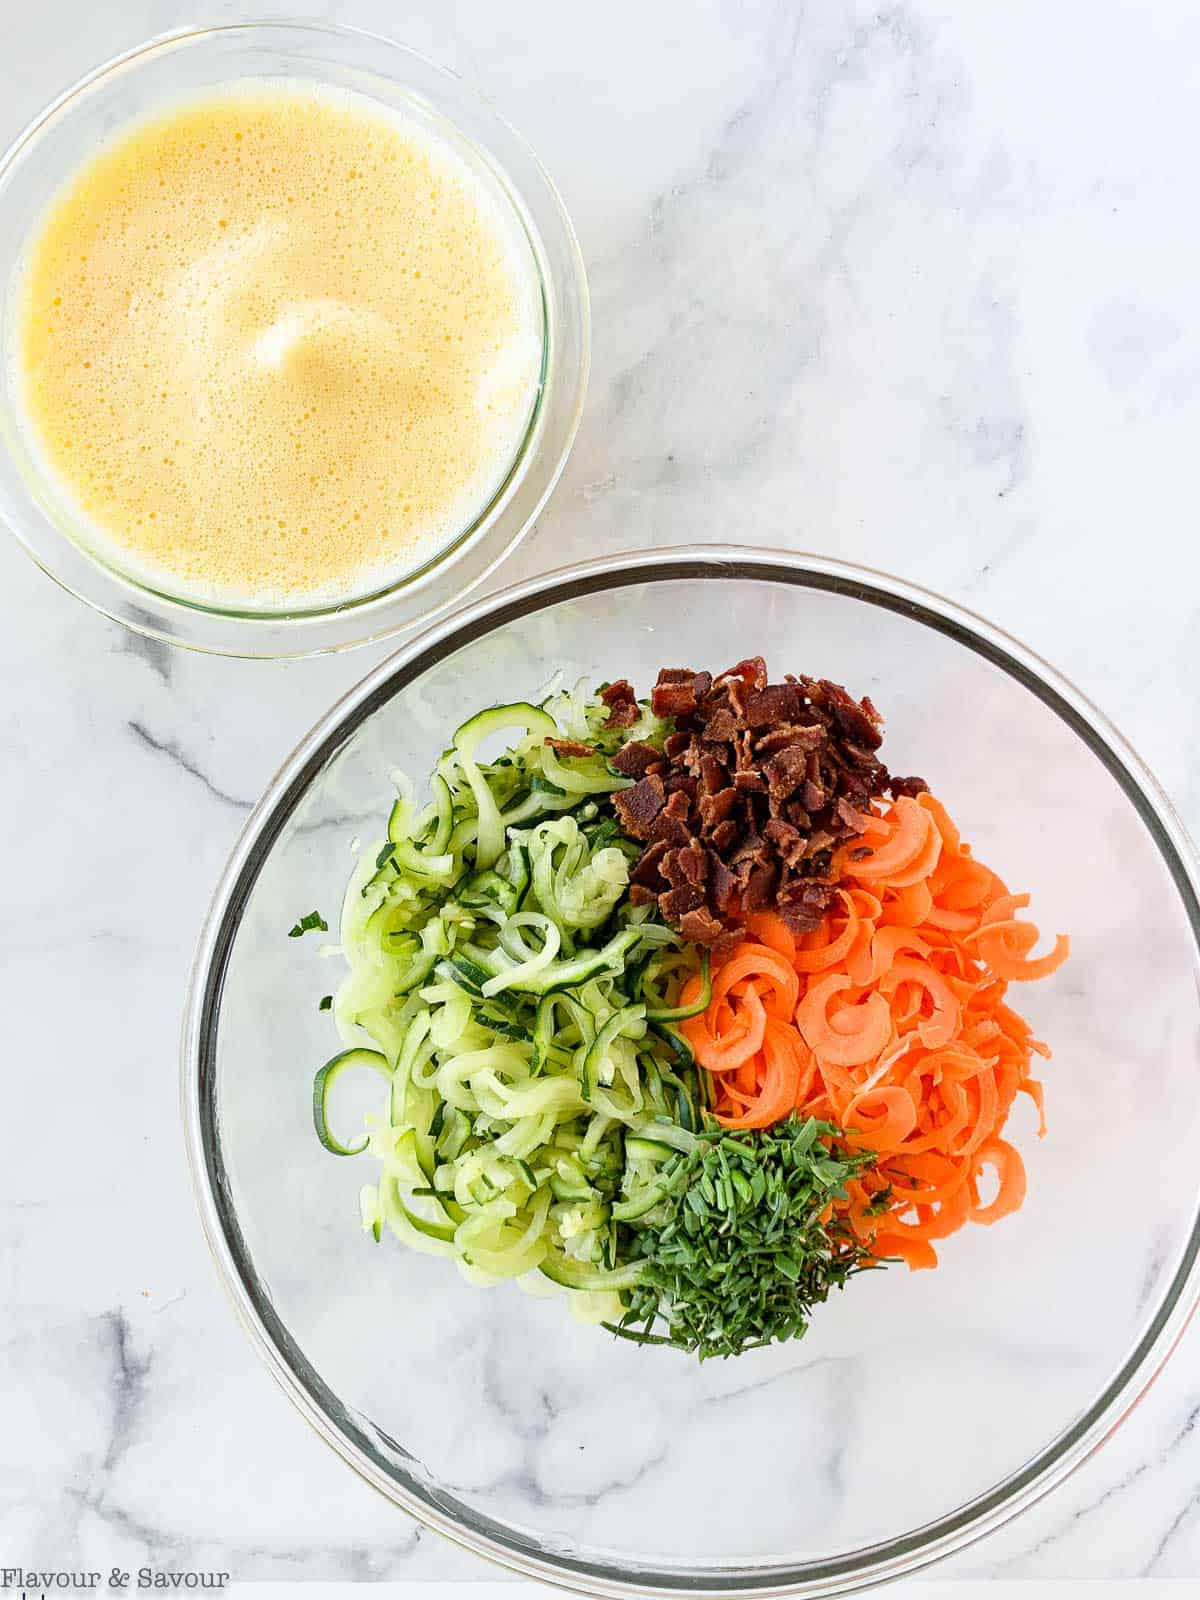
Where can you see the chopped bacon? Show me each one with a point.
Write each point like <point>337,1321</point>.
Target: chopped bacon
<point>635,759</point>
<point>637,807</point>
<point>759,791</point>
<point>571,747</point>
<point>623,709</point>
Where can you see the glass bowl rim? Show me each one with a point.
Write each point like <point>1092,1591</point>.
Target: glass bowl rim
<point>887,1559</point>
<point>498,528</point>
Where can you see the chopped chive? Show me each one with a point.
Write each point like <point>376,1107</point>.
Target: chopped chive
<point>740,1248</point>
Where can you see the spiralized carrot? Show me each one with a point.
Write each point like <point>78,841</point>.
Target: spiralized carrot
<point>890,1020</point>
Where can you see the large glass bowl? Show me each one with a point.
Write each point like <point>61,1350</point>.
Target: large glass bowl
<point>923,1409</point>
<point>195,62</point>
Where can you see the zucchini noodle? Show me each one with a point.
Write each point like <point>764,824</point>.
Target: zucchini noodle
<point>519,1008</point>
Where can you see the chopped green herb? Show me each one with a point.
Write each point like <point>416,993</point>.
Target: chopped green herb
<point>314,920</point>
<point>741,1249</point>
<point>326,1003</point>
<point>385,855</point>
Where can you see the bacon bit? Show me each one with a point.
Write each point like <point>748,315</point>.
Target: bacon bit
<point>717,807</point>
<point>766,708</point>
<point>623,709</point>
<point>759,795</point>
<point>669,828</point>
<point>786,771</point>
<point>691,864</point>
<point>571,747</point>
<point>724,834</point>
<point>679,691</point>
<point>752,672</point>
<point>856,821</point>
<point>750,783</point>
<point>636,759</point>
<point>722,882</point>
<point>638,807</point>
<point>787,839</point>
<point>647,871</point>
<point>703,928</point>
<point>676,903</point>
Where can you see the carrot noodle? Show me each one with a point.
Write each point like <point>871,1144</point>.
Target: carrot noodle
<point>904,833</point>
<point>769,928</point>
<point>890,1020</point>
<point>775,980</point>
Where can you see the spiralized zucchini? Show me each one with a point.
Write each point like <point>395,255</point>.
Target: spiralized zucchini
<point>519,1008</point>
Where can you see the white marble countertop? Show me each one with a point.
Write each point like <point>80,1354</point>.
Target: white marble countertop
<point>912,285</point>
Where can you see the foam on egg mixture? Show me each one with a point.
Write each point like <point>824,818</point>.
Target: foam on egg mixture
<point>277,346</point>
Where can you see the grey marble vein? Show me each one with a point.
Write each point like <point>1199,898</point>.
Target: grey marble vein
<point>172,750</point>
<point>129,1382</point>
<point>1026,1561</point>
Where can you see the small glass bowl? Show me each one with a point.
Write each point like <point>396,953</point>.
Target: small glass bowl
<point>922,1409</point>
<point>189,63</point>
